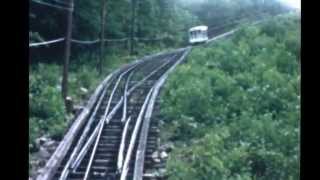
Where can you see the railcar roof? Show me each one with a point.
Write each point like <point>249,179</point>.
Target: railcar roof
<point>197,28</point>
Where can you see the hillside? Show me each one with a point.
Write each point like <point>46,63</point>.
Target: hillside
<point>233,110</point>
<point>75,45</point>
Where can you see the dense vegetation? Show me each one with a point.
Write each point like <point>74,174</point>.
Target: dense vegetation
<point>154,18</point>
<point>233,110</point>
<point>46,108</point>
<point>163,19</point>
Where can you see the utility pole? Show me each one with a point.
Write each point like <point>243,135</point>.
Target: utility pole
<point>67,55</point>
<point>103,15</point>
<point>133,9</point>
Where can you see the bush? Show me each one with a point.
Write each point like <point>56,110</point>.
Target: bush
<point>235,106</point>
<point>47,115</point>
<point>46,108</point>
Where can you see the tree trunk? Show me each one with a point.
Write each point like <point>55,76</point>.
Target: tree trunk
<point>103,16</point>
<point>67,55</point>
<point>133,9</point>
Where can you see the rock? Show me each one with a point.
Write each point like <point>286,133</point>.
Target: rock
<point>155,157</point>
<point>69,104</point>
<point>40,141</point>
<point>157,160</point>
<point>76,109</point>
<point>163,155</point>
<point>154,154</point>
<point>42,163</point>
<point>40,171</point>
<point>51,146</point>
<point>155,174</point>
<point>167,147</point>
<point>162,172</point>
<point>84,90</point>
<point>43,153</point>
<point>49,143</point>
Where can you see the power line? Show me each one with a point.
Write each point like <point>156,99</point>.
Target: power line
<point>150,39</point>
<point>85,42</point>
<point>53,5</point>
<point>46,42</point>
<point>92,41</point>
<point>98,40</point>
<point>61,2</point>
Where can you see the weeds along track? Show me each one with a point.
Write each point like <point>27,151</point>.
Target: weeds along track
<point>119,134</point>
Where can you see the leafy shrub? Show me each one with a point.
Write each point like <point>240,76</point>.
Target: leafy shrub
<point>46,108</point>
<point>234,107</point>
<point>47,115</point>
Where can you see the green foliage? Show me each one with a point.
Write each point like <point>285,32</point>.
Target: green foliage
<point>234,107</point>
<point>154,18</point>
<point>46,110</point>
<point>220,12</point>
<point>47,115</point>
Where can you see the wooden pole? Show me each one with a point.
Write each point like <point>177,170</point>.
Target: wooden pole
<point>67,55</point>
<point>103,15</point>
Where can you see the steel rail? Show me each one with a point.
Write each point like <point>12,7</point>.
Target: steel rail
<point>65,171</point>
<point>65,144</point>
<point>152,73</point>
<point>103,122</point>
<point>140,155</point>
<point>74,165</point>
<point>115,88</point>
<point>125,167</point>
<point>85,149</point>
<point>103,119</point>
<point>122,145</point>
<point>124,111</point>
<point>89,142</point>
<point>93,135</point>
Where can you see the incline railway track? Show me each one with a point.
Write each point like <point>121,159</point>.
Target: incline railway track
<point>115,135</point>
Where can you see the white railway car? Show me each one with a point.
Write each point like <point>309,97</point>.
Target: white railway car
<point>198,34</point>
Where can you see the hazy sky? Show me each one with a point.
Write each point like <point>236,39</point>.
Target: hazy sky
<point>293,3</point>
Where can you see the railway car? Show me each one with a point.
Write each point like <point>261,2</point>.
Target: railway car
<point>198,34</point>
